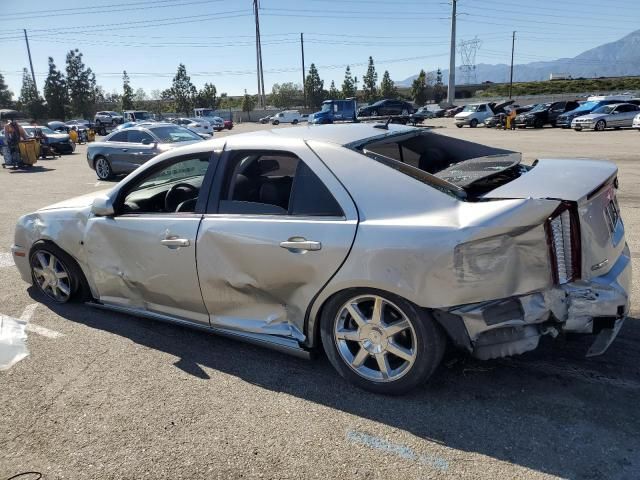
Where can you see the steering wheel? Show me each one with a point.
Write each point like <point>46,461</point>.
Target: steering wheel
<point>171,201</point>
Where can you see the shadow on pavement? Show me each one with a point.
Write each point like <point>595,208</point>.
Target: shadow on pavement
<point>551,410</point>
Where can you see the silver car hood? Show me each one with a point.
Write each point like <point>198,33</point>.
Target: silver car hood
<point>567,179</point>
<point>80,202</point>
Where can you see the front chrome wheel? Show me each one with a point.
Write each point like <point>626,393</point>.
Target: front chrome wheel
<point>51,276</point>
<point>375,338</point>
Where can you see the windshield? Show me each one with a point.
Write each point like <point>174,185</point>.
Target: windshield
<point>605,109</point>
<point>540,107</point>
<point>142,115</point>
<point>171,134</point>
<point>587,106</point>
<point>326,107</point>
<point>114,113</point>
<point>46,130</point>
<point>471,108</point>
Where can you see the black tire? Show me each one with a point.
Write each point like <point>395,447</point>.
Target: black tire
<point>600,126</point>
<point>295,121</point>
<point>474,123</point>
<point>430,343</point>
<point>538,124</point>
<point>459,125</point>
<point>77,283</point>
<point>374,113</point>
<point>578,129</point>
<point>98,123</point>
<point>554,125</point>
<point>103,168</point>
<point>276,122</point>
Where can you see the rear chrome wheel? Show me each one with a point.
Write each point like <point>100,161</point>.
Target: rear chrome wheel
<point>52,276</point>
<point>103,168</point>
<point>375,338</point>
<point>379,341</point>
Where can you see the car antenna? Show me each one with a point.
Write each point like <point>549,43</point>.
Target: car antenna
<point>384,126</point>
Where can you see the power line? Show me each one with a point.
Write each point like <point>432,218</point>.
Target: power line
<point>109,9</point>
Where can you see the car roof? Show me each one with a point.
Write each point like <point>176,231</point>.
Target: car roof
<point>341,134</point>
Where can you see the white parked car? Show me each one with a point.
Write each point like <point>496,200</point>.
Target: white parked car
<point>197,125</point>
<point>474,114</point>
<point>636,122</point>
<point>287,116</point>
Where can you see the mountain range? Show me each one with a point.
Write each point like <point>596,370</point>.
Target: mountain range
<point>615,59</point>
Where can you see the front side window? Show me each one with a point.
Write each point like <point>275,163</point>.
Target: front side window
<point>274,183</point>
<point>138,136</point>
<point>175,188</point>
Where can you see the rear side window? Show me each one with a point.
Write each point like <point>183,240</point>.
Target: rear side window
<point>119,137</point>
<point>137,136</point>
<point>277,183</point>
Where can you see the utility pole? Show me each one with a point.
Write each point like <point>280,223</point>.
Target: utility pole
<point>261,95</point>
<point>33,75</point>
<point>255,16</point>
<point>304,90</point>
<point>513,48</point>
<point>451,95</point>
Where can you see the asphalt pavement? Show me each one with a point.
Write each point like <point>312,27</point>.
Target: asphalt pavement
<point>106,395</point>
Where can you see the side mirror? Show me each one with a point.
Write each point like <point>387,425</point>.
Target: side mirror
<point>146,141</point>
<point>102,207</point>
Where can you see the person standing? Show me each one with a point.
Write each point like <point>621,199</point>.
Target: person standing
<point>511,119</point>
<point>13,133</point>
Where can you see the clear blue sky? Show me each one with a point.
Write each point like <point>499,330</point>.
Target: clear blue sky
<point>215,38</point>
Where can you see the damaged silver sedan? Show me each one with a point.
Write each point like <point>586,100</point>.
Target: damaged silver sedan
<point>381,244</point>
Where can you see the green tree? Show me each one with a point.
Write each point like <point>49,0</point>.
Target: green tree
<point>348,84</point>
<point>419,88</point>
<point>127,92</point>
<point>248,102</point>
<point>184,92</point>
<point>208,96</point>
<point>81,84</point>
<point>439,92</point>
<point>369,82</point>
<point>286,95</point>
<point>55,92</point>
<point>314,87</point>
<point>6,95</point>
<point>387,87</point>
<point>29,100</point>
<point>140,96</point>
<point>333,91</point>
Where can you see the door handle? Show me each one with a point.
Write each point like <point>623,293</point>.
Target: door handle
<point>299,244</point>
<point>125,149</point>
<point>175,242</point>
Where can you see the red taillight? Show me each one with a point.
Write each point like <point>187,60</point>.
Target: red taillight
<point>563,238</point>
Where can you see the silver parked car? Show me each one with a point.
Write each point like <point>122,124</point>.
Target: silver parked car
<point>108,118</point>
<point>617,115</point>
<point>379,243</point>
<point>125,150</point>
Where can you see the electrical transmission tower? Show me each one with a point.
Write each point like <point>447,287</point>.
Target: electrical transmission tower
<point>468,50</point>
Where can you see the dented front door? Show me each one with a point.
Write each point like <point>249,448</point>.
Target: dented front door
<point>147,262</point>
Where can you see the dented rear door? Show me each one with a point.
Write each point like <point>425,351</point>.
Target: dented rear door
<point>260,272</point>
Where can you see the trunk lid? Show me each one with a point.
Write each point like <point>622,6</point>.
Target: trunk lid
<point>591,186</point>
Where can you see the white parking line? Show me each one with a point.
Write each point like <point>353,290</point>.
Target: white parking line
<point>6,260</point>
<point>27,315</point>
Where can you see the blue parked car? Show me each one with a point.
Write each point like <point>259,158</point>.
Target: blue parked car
<point>335,110</point>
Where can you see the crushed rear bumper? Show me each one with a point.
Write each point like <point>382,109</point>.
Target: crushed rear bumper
<point>515,325</point>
